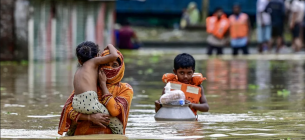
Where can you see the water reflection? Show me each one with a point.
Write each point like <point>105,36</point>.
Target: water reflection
<point>251,98</point>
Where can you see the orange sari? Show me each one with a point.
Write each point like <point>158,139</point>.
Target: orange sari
<point>118,104</point>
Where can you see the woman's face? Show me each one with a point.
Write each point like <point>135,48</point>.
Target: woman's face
<point>113,64</point>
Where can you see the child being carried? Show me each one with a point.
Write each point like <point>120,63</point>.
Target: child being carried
<point>85,98</point>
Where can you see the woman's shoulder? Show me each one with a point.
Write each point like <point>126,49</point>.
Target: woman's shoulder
<point>126,85</point>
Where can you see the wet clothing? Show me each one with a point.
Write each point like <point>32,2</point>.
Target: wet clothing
<point>117,103</point>
<point>192,91</point>
<point>87,103</point>
<point>244,49</point>
<point>216,44</point>
<point>219,50</point>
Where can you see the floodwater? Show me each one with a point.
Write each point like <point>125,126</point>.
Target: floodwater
<point>254,97</point>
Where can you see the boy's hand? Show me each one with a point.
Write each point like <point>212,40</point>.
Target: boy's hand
<point>157,105</point>
<point>187,102</point>
<point>102,76</point>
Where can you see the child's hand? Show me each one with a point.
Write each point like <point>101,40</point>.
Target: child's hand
<point>102,76</point>
<point>109,45</point>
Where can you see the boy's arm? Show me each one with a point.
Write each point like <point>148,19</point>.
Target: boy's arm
<point>158,105</point>
<point>203,106</point>
<point>108,58</point>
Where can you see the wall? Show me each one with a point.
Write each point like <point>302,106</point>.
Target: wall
<point>7,33</point>
<point>57,27</point>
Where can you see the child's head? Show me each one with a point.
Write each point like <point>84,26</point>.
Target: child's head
<point>184,67</point>
<point>86,51</point>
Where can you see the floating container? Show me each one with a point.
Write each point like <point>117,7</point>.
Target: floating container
<point>175,113</point>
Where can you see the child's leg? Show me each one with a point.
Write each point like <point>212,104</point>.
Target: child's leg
<point>115,124</point>
<point>88,103</point>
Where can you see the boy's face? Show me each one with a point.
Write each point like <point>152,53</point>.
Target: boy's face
<point>184,75</point>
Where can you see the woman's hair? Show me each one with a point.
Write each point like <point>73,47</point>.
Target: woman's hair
<point>184,61</point>
<point>86,50</point>
<point>119,61</point>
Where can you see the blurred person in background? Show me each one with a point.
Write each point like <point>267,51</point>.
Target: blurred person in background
<point>190,15</point>
<point>239,31</point>
<point>117,28</point>
<point>217,27</point>
<point>276,9</point>
<point>127,38</point>
<point>263,21</point>
<point>296,16</point>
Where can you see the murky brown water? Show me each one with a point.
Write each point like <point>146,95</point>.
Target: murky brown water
<point>253,97</point>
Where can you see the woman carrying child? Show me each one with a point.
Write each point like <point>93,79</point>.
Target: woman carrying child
<point>112,96</point>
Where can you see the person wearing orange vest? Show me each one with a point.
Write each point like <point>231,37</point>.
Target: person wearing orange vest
<point>217,26</point>
<point>239,31</point>
<point>186,80</point>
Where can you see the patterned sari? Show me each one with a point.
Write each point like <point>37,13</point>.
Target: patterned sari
<point>117,102</point>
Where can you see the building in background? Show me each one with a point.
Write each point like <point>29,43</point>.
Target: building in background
<point>56,27</point>
<point>51,29</point>
<point>7,32</point>
<point>167,13</point>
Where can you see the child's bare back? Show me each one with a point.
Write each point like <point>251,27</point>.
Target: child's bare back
<point>85,78</point>
<point>85,98</point>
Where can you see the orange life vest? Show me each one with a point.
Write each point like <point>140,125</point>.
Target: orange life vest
<point>217,27</point>
<point>192,91</point>
<point>239,27</point>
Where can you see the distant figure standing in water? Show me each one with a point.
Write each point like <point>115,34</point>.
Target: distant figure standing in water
<point>239,31</point>
<point>276,9</point>
<point>297,9</point>
<point>263,21</point>
<point>127,36</point>
<point>217,27</point>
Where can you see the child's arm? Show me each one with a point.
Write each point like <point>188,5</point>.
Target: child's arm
<point>203,106</point>
<point>108,58</point>
<point>158,104</point>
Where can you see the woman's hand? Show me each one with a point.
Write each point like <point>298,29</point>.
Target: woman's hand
<point>102,76</point>
<point>100,119</point>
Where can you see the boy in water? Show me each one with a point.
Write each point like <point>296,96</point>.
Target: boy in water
<point>184,68</point>
<point>85,98</point>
